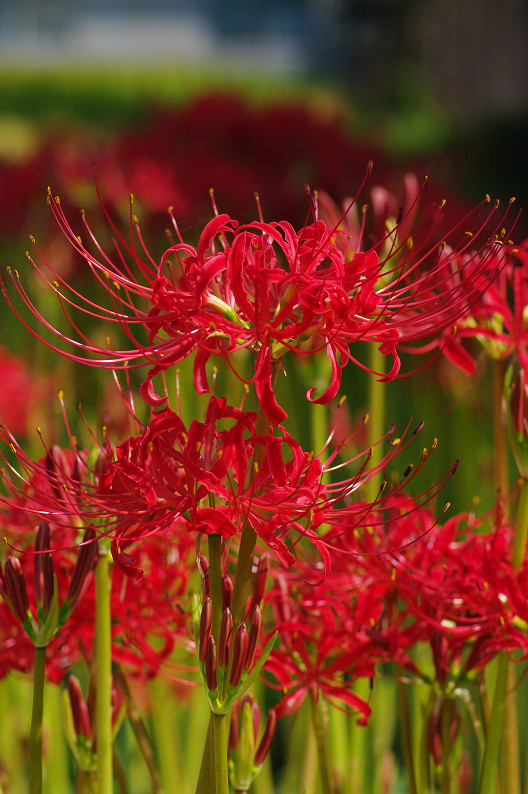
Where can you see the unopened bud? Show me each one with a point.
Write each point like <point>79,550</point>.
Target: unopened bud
<point>43,569</point>
<point>210,664</point>
<point>227,592</point>
<point>15,586</point>
<point>240,648</point>
<point>226,630</point>
<point>81,717</point>
<point>203,566</point>
<point>206,620</point>
<point>84,566</point>
<point>259,587</point>
<point>267,736</point>
<point>233,727</point>
<point>254,634</point>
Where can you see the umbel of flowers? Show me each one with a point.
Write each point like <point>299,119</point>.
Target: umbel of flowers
<point>309,568</point>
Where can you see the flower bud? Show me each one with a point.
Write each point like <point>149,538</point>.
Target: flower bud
<point>206,619</point>
<point>210,664</point>
<point>15,586</point>
<point>84,566</point>
<point>81,717</point>
<point>267,736</point>
<point>226,630</point>
<point>233,727</point>
<point>240,648</point>
<point>227,592</point>
<point>254,634</point>
<point>43,569</point>
<point>259,587</point>
<point>244,759</point>
<point>203,567</point>
<point>77,726</point>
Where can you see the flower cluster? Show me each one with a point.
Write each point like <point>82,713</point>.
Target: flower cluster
<point>357,579</point>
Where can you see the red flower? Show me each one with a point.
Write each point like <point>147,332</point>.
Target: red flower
<point>322,649</point>
<point>267,288</point>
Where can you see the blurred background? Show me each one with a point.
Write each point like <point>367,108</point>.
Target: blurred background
<point>422,78</point>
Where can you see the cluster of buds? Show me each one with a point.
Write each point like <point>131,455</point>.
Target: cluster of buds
<point>228,663</point>
<point>246,753</point>
<point>228,668</point>
<point>50,616</point>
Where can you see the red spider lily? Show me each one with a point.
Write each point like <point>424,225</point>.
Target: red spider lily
<point>321,649</point>
<point>498,319</point>
<point>150,617</point>
<point>206,475</point>
<point>451,586</point>
<point>266,288</point>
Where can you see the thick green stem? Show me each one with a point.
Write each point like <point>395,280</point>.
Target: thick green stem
<point>510,737</point>
<point>488,780</point>
<point>521,529</point>
<point>499,432</point>
<point>445,783</point>
<point>203,785</point>
<point>215,581</point>
<point>320,738</point>
<point>507,680</point>
<point>35,737</point>
<point>220,753</point>
<point>141,734</point>
<point>248,540</point>
<point>103,671</point>
<point>511,758</point>
<point>406,732</point>
<point>376,410</point>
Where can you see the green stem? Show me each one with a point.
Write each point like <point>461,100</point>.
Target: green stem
<point>488,780</point>
<point>511,759</point>
<point>320,738</point>
<point>220,753</point>
<point>214,543</point>
<point>103,667</point>
<point>168,751</point>
<point>424,755</point>
<point>406,731</point>
<point>507,680</point>
<point>376,410</point>
<point>35,737</point>
<point>141,734</point>
<point>445,783</point>
<point>510,736</point>
<point>499,432</point>
<point>248,540</point>
<point>521,529</point>
<point>203,785</point>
